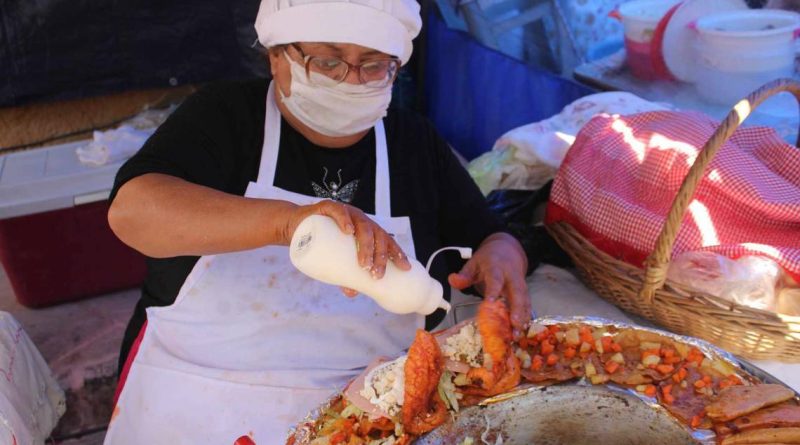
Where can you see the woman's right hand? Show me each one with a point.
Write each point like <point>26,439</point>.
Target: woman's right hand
<point>375,246</point>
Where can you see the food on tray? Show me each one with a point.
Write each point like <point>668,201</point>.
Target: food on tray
<point>733,402</point>
<point>773,436</point>
<point>500,371</point>
<point>423,408</point>
<point>393,402</point>
<point>783,415</point>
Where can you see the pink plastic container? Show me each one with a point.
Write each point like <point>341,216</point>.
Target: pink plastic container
<point>640,19</point>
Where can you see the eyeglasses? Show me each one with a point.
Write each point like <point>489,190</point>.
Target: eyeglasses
<point>376,73</point>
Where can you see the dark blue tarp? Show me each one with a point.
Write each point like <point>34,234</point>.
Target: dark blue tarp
<point>475,94</point>
<point>61,49</point>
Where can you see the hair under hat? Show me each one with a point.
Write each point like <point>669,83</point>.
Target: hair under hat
<point>388,26</point>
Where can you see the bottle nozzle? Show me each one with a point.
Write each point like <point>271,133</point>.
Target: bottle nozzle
<point>444,305</point>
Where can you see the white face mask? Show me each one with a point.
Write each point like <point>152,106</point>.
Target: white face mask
<point>331,108</point>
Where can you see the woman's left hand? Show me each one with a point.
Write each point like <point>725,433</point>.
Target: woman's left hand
<point>497,269</point>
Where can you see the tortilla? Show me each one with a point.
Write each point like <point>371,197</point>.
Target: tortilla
<point>736,401</point>
<point>784,415</point>
<point>765,436</point>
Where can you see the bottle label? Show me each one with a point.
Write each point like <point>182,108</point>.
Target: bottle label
<point>305,241</point>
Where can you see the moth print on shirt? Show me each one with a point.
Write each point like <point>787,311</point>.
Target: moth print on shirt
<point>334,190</point>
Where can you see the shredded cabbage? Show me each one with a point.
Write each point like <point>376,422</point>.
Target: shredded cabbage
<point>351,410</point>
<point>447,391</point>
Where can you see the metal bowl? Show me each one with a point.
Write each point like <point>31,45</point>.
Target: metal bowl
<point>564,414</point>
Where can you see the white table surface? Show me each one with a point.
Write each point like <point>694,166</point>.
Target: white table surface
<point>557,292</point>
<point>612,74</point>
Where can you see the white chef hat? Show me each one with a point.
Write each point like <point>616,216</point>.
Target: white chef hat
<point>385,25</point>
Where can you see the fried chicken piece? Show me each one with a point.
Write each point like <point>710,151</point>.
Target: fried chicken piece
<point>423,409</point>
<point>502,373</point>
<point>494,325</point>
<point>736,401</point>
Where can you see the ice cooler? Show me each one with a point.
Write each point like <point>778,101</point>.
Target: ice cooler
<point>55,242</point>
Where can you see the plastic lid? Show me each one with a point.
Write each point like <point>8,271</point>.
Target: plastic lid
<point>677,49</point>
<point>44,179</point>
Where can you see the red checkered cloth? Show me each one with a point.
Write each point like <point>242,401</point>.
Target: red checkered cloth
<point>619,179</point>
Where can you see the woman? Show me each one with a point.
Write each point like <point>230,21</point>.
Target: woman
<point>237,341</point>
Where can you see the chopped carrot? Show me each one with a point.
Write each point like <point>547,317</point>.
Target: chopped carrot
<point>547,348</point>
<point>553,328</point>
<point>707,379</point>
<point>680,375</point>
<point>570,352</point>
<point>725,383</point>
<point>338,438</point>
<point>616,347</point>
<point>586,337</point>
<point>606,342</point>
<point>699,384</point>
<point>695,356</point>
<point>650,391</point>
<point>670,358</point>
<point>542,336</point>
<point>666,391</point>
<point>665,369</point>
<point>696,421</point>
<point>523,342</point>
<point>552,359</point>
<point>611,367</point>
<point>537,362</point>
<point>735,379</point>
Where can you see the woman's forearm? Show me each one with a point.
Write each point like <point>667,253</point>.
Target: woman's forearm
<point>164,216</point>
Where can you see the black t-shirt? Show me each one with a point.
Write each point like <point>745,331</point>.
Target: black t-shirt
<point>215,139</point>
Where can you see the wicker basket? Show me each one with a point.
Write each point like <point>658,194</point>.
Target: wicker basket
<point>749,332</point>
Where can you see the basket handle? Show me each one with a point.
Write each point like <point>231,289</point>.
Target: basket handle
<point>657,263</point>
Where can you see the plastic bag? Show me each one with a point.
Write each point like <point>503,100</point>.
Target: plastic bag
<point>529,156</point>
<point>750,280</point>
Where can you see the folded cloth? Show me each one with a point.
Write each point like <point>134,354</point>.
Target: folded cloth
<point>113,145</point>
<point>619,179</point>
<point>31,402</point>
<point>527,157</point>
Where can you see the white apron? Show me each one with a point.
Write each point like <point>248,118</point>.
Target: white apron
<point>251,345</point>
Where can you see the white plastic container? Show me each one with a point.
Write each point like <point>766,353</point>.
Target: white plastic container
<point>322,251</point>
<point>739,51</point>
<point>640,19</point>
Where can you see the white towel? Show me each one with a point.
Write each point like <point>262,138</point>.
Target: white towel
<point>114,145</point>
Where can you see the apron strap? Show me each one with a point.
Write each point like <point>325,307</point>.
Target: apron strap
<point>269,156</point>
<point>383,195</point>
<point>272,140</point>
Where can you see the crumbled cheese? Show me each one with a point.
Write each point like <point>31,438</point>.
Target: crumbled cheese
<point>384,385</point>
<point>465,346</point>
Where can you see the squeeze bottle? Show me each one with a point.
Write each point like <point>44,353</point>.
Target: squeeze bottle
<point>322,251</point>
